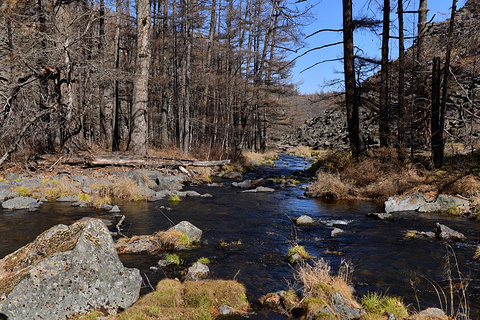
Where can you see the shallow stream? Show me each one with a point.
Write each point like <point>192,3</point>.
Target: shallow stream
<point>248,235</point>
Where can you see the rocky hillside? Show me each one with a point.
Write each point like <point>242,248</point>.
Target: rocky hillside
<point>328,129</point>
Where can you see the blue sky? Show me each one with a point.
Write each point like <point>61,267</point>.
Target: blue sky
<point>328,14</point>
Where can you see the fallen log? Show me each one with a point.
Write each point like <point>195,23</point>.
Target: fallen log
<point>135,161</point>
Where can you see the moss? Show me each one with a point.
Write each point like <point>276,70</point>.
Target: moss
<point>290,299</point>
<point>300,250</point>
<point>203,260</point>
<point>174,198</point>
<point>410,234</point>
<point>454,210</point>
<point>84,197</point>
<point>313,306</point>
<point>173,258</point>
<point>2,179</point>
<point>23,192</point>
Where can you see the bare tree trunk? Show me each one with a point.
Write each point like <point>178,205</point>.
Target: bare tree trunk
<point>436,138</point>
<point>420,114</point>
<point>116,119</point>
<point>139,141</point>
<point>401,85</point>
<point>349,74</point>
<point>446,74</point>
<point>384,128</point>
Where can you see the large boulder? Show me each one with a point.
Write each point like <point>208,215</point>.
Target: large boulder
<point>20,203</point>
<point>410,202</point>
<point>445,203</point>
<point>64,272</point>
<point>193,233</point>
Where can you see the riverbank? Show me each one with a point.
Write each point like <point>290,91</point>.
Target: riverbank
<point>383,175</point>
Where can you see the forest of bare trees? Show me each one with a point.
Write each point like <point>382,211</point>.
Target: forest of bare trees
<point>427,95</point>
<point>200,76</point>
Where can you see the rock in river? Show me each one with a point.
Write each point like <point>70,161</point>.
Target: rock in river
<point>20,203</point>
<point>304,220</point>
<point>64,272</point>
<point>410,202</point>
<point>198,271</point>
<point>445,233</point>
<point>194,234</point>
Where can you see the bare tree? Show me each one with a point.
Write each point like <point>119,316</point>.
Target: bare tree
<point>139,135</point>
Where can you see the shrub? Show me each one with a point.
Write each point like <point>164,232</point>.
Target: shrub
<point>330,186</point>
<point>319,283</point>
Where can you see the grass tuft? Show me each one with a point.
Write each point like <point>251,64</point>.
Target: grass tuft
<point>300,250</point>
<point>376,305</point>
<point>173,258</point>
<point>204,260</point>
<point>23,192</point>
<point>174,198</point>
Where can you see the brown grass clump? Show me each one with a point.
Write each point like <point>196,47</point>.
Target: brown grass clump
<point>199,300</point>
<point>379,177</point>
<point>250,157</point>
<point>319,283</point>
<point>171,238</point>
<point>301,151</point>
<point>329,185</point>
<point>124,189</point>
<point>56,189</point>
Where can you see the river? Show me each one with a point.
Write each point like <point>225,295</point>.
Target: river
<point>247,235</point>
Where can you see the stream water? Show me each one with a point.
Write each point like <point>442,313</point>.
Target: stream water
<point>248,234</point>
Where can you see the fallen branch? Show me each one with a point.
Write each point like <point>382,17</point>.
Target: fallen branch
<point>135,161</point>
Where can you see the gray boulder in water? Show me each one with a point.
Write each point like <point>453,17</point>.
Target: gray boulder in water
<point>446,233</point>
<point>20,203</point>
<point>64,272</point>
<point>193,233</point>
<point>410,202</point>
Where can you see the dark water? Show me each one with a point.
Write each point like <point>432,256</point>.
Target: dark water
<point>248,236</point>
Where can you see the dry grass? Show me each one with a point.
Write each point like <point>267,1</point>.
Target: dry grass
<point>198,300</point>
<point>319,283</point>
<point>330,185</point>
<point>301,151</point>
<point>171,238</point>
<point>468,185</point>
<point>56,189</point>
<point>124,189</point>
<point>339,176</point>
<point>251,158</point>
